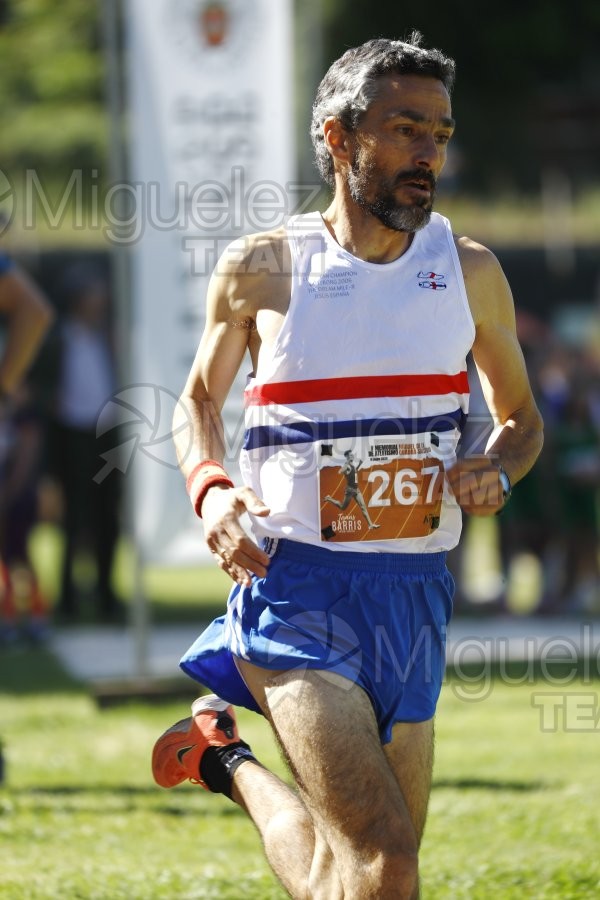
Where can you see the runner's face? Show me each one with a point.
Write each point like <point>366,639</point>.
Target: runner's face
<point>400,150</point>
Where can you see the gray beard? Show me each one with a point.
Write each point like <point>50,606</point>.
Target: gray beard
<point>395,216</point>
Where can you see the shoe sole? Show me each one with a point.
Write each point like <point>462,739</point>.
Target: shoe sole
<point>209,701</point>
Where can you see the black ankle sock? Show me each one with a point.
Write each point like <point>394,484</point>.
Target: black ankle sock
<point>218,765</point>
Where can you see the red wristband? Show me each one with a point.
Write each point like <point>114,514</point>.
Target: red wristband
<point>202,477</point>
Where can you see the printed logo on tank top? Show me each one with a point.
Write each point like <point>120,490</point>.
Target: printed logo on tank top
<point>432,281</point>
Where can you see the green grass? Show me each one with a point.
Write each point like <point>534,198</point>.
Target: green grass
<point>80,816</point>
<point>514,810</point>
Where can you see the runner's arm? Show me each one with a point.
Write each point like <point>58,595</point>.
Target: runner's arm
<point>518,435</point>
<point>198,426</point>
<point>29,316</point>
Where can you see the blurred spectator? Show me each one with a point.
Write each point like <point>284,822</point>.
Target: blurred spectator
<point>576,455</point>
<point>553,514</point>
<point>27,316</point>
<point>528,525</point>
<point>20,455</point>
<point>84,383</point>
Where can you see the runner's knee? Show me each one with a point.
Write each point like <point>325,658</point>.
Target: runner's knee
<point>290,823</point>
<point>385,858</point>
<point>390,875</point>
<point>289,837</point>
<point>324,881</point>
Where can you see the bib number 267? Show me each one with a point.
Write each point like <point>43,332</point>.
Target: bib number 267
<point>408,486</point>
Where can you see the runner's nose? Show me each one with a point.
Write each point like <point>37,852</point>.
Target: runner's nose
<point>426,152</point>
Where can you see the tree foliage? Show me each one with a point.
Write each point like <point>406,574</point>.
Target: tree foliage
<point>527,93</point>
<point>52,110</point>
<point>528,78</point>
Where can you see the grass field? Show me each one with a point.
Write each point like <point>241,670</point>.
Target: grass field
<point>515,810</point>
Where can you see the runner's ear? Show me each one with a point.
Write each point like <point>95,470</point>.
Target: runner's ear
<point>337,140</point>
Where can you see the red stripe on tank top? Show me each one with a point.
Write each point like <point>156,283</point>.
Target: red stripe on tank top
<point>314,390</point>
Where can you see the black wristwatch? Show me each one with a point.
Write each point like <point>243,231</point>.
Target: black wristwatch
<point>506,485</point>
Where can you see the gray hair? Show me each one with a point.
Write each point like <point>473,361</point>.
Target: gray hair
<point>350,85</point>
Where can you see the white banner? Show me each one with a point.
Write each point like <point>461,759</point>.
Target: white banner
<point>211,158</point>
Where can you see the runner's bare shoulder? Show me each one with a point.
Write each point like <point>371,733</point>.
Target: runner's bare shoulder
<point>255,271</point>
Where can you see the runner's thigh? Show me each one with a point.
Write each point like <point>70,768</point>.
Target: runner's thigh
<point>327,729</point>
<point>410,755</point>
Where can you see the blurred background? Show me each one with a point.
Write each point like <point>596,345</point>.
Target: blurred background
<point>523,177</point>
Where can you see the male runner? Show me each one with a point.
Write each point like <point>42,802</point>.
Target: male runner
<point>341,645</point>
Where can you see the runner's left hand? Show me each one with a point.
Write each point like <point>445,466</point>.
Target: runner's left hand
<point>476,485</point>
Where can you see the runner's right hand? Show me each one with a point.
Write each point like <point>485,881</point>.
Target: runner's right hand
<point>235,552</point>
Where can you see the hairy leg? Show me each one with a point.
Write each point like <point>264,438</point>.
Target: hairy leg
<point>295,850</point>
<point>285,827</point>
<point>410,755</point>
<point>365,845</point>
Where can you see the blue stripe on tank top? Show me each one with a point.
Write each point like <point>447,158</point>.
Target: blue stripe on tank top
<point>304,432</point>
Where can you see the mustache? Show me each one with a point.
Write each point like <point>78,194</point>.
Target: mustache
<point>417,175</point>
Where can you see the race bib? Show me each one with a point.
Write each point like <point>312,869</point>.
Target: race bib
<point>379,488</point>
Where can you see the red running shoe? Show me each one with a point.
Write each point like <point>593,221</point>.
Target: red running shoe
<point>205,748</point>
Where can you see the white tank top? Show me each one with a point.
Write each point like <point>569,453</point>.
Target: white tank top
<point>370,361</point>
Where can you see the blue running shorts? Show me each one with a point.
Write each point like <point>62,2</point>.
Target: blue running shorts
<point>377,619</point>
